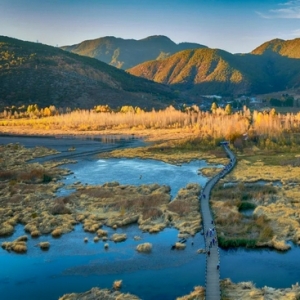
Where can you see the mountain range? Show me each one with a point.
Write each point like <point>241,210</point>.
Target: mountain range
<point>273,66</point>
<point>36,73</point>
<point>126,53</point>
<point>161,72</point>
<point>196,69</point>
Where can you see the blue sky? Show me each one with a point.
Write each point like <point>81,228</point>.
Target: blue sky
<point>232,25</point>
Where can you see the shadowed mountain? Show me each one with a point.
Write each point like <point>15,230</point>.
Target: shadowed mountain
<point>124,53</point>
<point>289,48</point>
<point>45,75</point>
<point>211,71</point>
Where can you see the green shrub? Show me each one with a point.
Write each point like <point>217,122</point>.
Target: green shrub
<point>46,178</point>
<point>246,205</point>
<point>234,243</point>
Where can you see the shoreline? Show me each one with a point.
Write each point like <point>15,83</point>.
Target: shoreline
<point>154,135</point>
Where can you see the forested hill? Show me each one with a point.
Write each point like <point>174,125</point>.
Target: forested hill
<point>45,75</point>
<point>289,48</point>
<point>126,53</point>
<point>213,71</point>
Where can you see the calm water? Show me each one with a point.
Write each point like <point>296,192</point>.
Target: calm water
<point>74,266</point>
<point>134,172</point>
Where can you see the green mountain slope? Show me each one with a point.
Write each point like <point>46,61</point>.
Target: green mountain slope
<point>211,71</point>
<point>36,73</point>
<point>125,54</point>
<point>289,48</point>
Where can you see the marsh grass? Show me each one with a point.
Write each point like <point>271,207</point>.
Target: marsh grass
<point>145,247</point>
<point>179,207</point>
<point>57,232</point>
<point>151,213</point>
<point>240,230</point>
<point>266,234</point>
<point>35,175</point>
<point>236,242</point>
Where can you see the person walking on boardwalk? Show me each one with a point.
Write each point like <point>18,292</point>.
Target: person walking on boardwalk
<point>208,253</point>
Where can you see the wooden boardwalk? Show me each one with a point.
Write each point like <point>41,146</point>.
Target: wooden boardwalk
<point>212,284</point>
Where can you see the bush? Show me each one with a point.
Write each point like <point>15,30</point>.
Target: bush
<point>246,205</point>
<point>46,178</point>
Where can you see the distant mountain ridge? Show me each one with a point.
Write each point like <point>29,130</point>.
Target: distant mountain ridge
<point>36,73</point>
<point>197,69</point>
<point>126,53</point>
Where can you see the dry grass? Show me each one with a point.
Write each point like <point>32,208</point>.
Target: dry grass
<point>145,248</point>
<point>248,291</point>
<point>151,213</point>
<point>57,232</point>
<point>197,294</point>
<point>275,218</point>
<point>117,284</point>
<point>59,207</point>
<point>44,245</point>
<point>118,237</point>
<point>180,207</point>
<point>96,239</point>
<point>19,245</point>
<point>180,246</point>
<point>6,229</point>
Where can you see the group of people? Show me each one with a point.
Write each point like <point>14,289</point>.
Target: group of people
<point>211,234</point>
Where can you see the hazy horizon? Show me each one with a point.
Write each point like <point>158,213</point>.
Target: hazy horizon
<point>234,26</point>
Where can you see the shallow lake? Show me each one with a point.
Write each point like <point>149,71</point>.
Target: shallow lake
<point>134,172</point>
<point>71,265</point>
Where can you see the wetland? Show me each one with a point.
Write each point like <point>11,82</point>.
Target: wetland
<point>53,196</point>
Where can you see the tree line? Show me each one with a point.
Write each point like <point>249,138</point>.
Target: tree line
<point>215,125</point>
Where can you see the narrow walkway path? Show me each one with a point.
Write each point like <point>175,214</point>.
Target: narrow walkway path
<point>212,284</point>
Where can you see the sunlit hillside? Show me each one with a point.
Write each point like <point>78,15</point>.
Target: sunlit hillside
<point>36,73</point>
<point>213,71</point>
<point>289,48</point>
